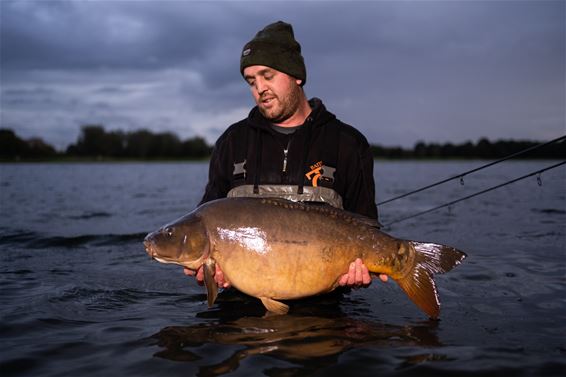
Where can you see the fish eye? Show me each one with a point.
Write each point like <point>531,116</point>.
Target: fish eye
<point>169,231</point>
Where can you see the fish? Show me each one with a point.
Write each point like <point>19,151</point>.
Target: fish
<point>277,250</point>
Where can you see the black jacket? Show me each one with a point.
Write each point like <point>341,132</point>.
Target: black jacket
<point>322,139</point>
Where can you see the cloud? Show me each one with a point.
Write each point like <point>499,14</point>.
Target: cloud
<point>158,100</point>
<point>398,71</point>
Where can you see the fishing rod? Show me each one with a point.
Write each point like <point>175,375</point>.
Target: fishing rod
<point>538,172</point>
<point>462,175</point>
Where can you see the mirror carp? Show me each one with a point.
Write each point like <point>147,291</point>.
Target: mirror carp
<point>275,249</point>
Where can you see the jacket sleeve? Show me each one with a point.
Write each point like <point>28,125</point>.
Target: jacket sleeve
<point>218,177</point>
<point>360,192</point>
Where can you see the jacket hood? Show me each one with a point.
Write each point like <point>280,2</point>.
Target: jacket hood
<point>319,116</point>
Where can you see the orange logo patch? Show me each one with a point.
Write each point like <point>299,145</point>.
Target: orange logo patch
<point>315,173</point>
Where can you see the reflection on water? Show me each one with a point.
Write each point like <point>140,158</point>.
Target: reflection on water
<point>313,338</point>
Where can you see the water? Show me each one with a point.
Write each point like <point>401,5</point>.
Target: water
<point>79,296</point>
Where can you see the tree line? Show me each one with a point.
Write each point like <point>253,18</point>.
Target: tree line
<point>95,142</point>
<point>13,147</point>
<point>141,144</point>
<point>482,149</point>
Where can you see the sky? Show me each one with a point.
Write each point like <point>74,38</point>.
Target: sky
<point>399,71</point>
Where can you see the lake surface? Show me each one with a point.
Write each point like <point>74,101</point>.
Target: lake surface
<point>79,296</point>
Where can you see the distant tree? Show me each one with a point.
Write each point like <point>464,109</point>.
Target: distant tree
<point>38,148</point>
<point>484,149</point>
<point>91,141</point>
<point>420,149</point>
<point>196,148</point>
<point>138,144</point>
<point>94,141</point>
<point>115,144</point>
<point>165,145</point>
<point>557,150</point>
<point>11,145</point>
<point>465,150</point>
<point>448,150</point>
<point>377,150</point>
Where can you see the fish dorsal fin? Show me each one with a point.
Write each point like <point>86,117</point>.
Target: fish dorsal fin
<point>325,208</point>
<point>346,215</point>
<point>274,306</point>
<point>365,220</point>
<point>211,287</point>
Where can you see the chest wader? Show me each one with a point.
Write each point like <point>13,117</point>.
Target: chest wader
<point>321,175</point>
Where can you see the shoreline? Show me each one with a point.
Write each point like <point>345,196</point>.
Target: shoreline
<point>72,160</point>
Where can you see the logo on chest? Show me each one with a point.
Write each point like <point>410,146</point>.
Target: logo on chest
<point>320,173</point>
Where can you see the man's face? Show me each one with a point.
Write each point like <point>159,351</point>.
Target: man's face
<point>276,94</point>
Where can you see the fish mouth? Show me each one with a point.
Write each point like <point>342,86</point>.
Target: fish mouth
<point>150,248</point>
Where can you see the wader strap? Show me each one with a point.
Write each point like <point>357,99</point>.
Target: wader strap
<point>240,160</point>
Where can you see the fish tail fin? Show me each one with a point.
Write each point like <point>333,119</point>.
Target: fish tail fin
<point>419,284</point>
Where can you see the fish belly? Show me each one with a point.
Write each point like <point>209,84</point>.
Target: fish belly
<point>269,249</point>
<point>286,271</point>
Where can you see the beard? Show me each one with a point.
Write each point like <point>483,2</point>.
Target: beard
<point>283,107</point>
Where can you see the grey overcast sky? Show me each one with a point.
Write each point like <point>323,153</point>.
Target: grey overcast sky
<point>399,71</point>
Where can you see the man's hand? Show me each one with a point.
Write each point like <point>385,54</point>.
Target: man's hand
<point>358,275</point>
<point>218,276</point>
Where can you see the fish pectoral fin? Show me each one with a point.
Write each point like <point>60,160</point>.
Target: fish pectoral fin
<point>274,306</point>
<point>211,287</point>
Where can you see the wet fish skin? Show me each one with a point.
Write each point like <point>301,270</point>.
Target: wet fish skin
<point>274,249</point>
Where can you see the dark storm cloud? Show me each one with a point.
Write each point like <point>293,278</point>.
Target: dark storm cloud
<point>90,35</point>
<point>449,71</point>
<point>399,71</point>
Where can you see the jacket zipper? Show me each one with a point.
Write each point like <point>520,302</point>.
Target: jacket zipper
<point>285,153</point>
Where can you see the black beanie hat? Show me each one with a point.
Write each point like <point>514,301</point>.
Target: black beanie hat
<point>275,46</point>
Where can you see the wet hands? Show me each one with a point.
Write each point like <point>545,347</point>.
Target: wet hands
<point>218,276</point>
<point>358,275</point>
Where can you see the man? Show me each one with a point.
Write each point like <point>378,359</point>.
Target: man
<point>290,147</point>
